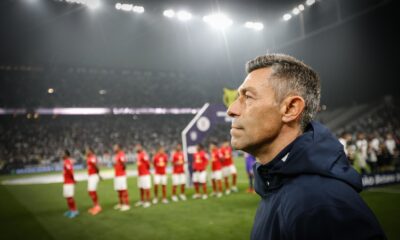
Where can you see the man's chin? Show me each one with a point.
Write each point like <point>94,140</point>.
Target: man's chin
<point>237,145</point>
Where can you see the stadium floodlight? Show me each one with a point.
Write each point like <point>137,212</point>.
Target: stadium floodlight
<point>102,92</point>
<point>50,90</point>
<point>287,17</point>
<point>295,11</point>
<point>93,4</point>
<point>138,9</point>
<point>218,20</point>
<point>301,7</point>
<point>118,6</point>
<point>184,15</point>
<point>310,2</point>
<point>169,13</point>
<point>258,26</point>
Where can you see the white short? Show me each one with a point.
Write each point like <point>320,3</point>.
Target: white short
<point>93,180</point>
<point>120,183</point>
<point>68,190</point>
<point>217,175</point>
<point>144,182</point>
<point>160,179</point>
<point>228,170</point>
<point>200,177</point>
<point>178,179</point>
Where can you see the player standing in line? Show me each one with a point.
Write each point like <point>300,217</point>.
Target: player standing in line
<point>228,168</point>
<point>160,161</point>
<point>144,180</point>
<point>200,162</point>
<point>120,181</point>
<point>250,161</point>
<point>69,185</point>
<point>216,175</point>
<point>93,180</point>
<point>178,173</point>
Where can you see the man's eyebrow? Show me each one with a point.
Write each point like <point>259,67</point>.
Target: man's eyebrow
<point>247,89</point>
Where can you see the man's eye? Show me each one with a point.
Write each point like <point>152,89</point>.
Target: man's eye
<point>247,96</point>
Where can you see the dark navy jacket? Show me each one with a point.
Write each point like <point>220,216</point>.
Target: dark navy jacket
<point>309,191</point>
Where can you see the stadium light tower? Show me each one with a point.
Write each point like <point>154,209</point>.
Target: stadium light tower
<point>184,15</point>
<point>218,20</point>
<point>257,26</point>
<point>310,2</point>
<point>169,13</point>
<point>287,17</point>
<point>295,11</point>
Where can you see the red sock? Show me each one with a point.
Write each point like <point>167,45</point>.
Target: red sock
<point>93,196</point>
<point>71,204</point>
<point>125,197</point>
<point>234,179</point>
<point>120,197</point>
<point>196,187</point>
<point>156,190</point>
<point>183,188</point>
<point>219,182</point>
<point>226,183</point>
<point>147,191</point>
<point>174,190</point>
<point>164,191</point>
<point>214,187</point>
<point>204,188</point>
<point>142,194</point>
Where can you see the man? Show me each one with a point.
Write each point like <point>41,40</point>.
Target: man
<point>308,189</point>
<point>93,179</point>
<point>362,146</point>
<point>228,168</point>
<point>144,181</point>
<point>250,160</point>
<point>69,185</point>
<point>120,182</point>
<point>200,162</point>
<point>178,174</point>
<point>216,173</point>
<point>160,161</point>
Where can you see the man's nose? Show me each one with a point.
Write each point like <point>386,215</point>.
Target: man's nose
<point>234,109</point>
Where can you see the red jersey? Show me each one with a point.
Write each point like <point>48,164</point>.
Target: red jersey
<point>68,171</point>
<point>119,163</point>
<point>216,160</point>
<point>91,162</point>
<point>199,161</point>
<point>226,156</point>
<point>160,163</point>
<point>143,163</point>
<point>178,162</point>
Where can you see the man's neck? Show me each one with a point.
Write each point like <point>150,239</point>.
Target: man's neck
<point>268,152</point>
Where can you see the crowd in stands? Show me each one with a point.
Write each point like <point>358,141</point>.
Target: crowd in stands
<point>40,142</point>
<point>372,142</point>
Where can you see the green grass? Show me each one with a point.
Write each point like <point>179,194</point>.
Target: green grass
<point>36,212</point>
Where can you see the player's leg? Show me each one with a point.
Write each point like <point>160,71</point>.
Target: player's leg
<point>164,188</point>
<point>214,184</point>
<point>203,181</point>
<point>196,184</point>
<point>157,181</point>
<point>68,192</point>
<point>124,194</point>
<point>182,182</point>
<point>118,190</point>
<point>233,173</point>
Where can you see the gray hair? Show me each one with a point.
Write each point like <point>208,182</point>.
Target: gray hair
<point>291,76</point>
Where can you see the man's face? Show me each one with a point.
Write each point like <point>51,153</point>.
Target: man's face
<point>256,114</point>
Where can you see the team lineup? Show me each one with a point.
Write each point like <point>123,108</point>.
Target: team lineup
<point>222,169</point>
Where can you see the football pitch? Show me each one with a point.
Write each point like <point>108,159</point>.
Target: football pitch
<point>36,212</point>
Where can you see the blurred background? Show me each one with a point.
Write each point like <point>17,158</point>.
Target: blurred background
<point>78,73</point>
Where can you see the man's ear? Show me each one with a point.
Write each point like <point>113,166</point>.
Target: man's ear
<point>291,108</point>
